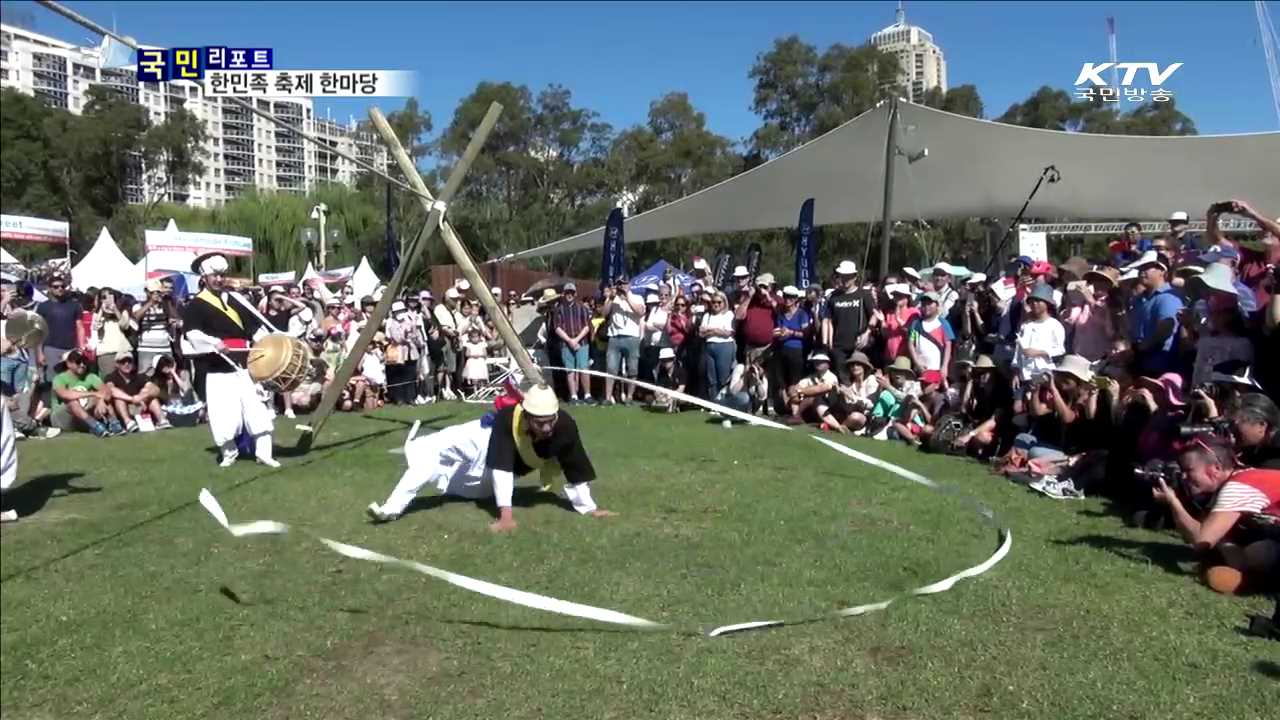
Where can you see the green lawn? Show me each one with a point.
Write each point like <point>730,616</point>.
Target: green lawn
<point>122,598</point>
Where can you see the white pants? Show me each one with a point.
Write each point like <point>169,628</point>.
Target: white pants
<point>232,402</point>
<point>452,461</point>
<point>8,449</point>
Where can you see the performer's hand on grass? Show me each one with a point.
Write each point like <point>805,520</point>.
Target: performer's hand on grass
<point>506,522</point>
<point>602,513</point>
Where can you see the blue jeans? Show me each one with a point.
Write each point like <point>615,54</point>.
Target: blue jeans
<point>719,366</point>
<point>618,347</point>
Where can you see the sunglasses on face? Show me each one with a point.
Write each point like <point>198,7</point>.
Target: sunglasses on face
<point>57,287</point>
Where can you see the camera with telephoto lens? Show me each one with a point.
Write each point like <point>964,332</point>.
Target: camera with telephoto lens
<point>1219,427</point>
<point>1155,470</point>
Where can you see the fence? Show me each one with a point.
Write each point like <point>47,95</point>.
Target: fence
<point>507,275</point>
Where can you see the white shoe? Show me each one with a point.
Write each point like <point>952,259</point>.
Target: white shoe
<point>269,462</point>
<point>375,513</point>
<point>288,412</point>
<point>229,459</point>
<point>49,433</point>
<point>9,516</point>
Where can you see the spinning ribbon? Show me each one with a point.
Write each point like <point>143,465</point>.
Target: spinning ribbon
<point>589,612</point>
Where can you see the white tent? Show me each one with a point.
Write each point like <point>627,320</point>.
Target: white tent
<point>7,259</point>
<point>364,280</point>
<point>973,168</point>
<point>105,266</point>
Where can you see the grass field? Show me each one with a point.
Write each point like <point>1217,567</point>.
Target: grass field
<point>121,597</point>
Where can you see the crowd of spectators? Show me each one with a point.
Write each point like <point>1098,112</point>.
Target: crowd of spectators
<point>1146,376</point>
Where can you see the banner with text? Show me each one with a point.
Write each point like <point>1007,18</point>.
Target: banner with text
<point>19,228</point>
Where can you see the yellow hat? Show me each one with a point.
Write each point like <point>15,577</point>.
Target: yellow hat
<point>540,400</point>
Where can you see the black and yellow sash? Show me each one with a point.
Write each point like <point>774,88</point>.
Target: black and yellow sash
<point>222,306</point>
<point>548,467</point>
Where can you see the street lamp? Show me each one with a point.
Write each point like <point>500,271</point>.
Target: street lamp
<point>318,213</point>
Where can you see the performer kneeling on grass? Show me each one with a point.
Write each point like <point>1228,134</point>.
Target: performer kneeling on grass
<point>218,326</point>
<point>481,459</point>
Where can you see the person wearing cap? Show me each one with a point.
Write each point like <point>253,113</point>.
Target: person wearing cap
<point>1223,337</point>
<point>793,327</point>
<point>847,324</point>
<point>930,337</point>
<point>1178,237</point>
<point>756,320</point>
<point>1154,318</point>
<point>218,327</point>
<point>481,459</point>
<point>623,313</point>
<point>61,313</point>
<point>131,395</point>
<point>940,283</point>
<point>803,397</point>
<point>448,320</point>
<point>80,399</point>
<point>404,345</point>
<point>1220,264</point>
<point>572,324</point>
<point>653,325</point>
<point>1041,339</point>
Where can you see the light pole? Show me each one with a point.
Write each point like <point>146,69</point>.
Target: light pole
<point>318,213</point>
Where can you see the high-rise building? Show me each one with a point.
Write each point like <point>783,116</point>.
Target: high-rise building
<point>923,66</point>
<point>242,149</point>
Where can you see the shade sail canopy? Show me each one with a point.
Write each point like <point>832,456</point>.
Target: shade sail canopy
<point>974,168</point>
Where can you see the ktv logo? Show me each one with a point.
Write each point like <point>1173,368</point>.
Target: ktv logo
<point>1092,73</point>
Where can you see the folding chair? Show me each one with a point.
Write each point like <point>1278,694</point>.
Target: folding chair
<point>501,369</point>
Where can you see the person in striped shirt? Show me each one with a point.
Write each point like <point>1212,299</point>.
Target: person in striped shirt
<point>1240,533</point>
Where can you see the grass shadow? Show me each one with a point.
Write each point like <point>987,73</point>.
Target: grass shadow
<point>1267,668</point>
<point>1166,555</point>
<point>31,497</point>
<point>523,497</point>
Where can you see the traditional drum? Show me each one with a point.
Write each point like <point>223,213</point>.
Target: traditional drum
<point>279,362</point>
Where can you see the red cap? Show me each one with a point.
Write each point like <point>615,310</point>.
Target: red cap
<point>1040,267</point>
<point>931,377</point>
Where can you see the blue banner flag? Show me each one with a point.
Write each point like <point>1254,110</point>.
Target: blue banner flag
<point>806,247</point>
<point>613,263</point>
<point>754,251</point>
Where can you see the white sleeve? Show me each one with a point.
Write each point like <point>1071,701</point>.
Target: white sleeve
<point>580,496</point>
<point>202,343</point>
<point>504,485</point>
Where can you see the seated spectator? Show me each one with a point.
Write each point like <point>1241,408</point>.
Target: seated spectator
<point>748,388</point>
<point>1239,536</point>
<point>670,375</point>
<point>306,396</point>
<point>1162,398</point>
<point>897,385</point>
<point>131,394</point>
<point>1256,427</point>
<point>1061,407</point>
<point>914,422</point>
<point>180,405</point>
<point>987,407</point>
<point>81,401</point>
<point>802,398</point>
<point>846,410</point>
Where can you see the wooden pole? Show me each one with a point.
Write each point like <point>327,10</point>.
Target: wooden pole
<point>458,251</point>
<point>374,323</point>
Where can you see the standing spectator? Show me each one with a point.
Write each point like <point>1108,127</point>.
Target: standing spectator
<point>401,365</point>
<point>448,321</point>
<point>897,321</point>
<point>80,400</point>
<point>131,394</point>
<point>17,386</point>
<point>1153,318</point>
<point>716,331</point>
<point>815,303</point>
<point>1178,238</point>
<point>654,326</point>
<point>109,331</point>
<point>792,326</point>
<point>940,284</point>
<point>156,320</point>
<point>929,338</point>
<point>1091,316</point>
<point>289,316</point>
<point>756,317</point>
<point>741,291</point>
<point>475,371</point>
<point>1041,338</point>
<point>623,313</point>
<point>572,322</point>
<point>847,325</point>
<point>678,324</point>
<point>61,313</point>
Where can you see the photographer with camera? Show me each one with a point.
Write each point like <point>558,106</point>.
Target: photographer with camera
<point>110,331</point>
<point>1240,534</point>
<point>158,321</point>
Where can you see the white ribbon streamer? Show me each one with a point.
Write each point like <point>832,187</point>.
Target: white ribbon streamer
<point>589,612</point>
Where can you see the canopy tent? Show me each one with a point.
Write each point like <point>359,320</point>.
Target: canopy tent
<point>105,266</point>
<point>655,275</point>
<point>973,168</point>
<point>7,259</point>
<point>364,280</point>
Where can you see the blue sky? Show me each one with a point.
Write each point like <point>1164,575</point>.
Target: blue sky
<point>617,57</point>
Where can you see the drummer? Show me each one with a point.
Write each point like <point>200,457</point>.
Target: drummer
<point>218,325</point>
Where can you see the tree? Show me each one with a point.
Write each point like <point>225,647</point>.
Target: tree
<point>800,94</point>
<point>961,100</point>
<point>173,155</point>
<point>1055,110</point>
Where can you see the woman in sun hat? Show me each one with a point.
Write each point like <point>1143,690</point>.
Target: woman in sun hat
<point>1091,318</point>
<point>847,408</point>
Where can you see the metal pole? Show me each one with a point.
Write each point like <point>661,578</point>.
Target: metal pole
<point>320,212</point>
<point>890,160</point>
<point>458,251</point>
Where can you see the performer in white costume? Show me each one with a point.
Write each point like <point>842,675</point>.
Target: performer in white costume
<point>217,328</point>
<point>481,459</point>
<point>8,458</point>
